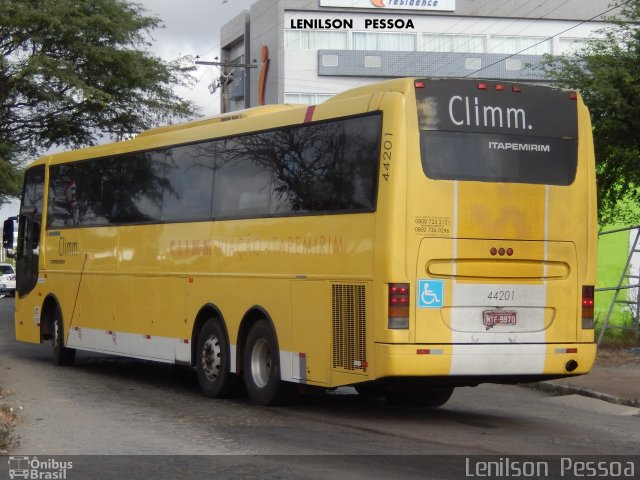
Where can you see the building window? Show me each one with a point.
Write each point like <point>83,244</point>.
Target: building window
<point>568,46</point>
<point>313,40</point>
<point>473,63</point>
<point>307,98</point>
<point>372,61</point>
<point>513,64</point>
<point>437,42</point>
<point>397,42</point>
<point>524,45</point>
<point>236,88</point>
<point>329,60</point>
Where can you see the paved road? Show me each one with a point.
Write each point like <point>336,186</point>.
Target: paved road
<point>109,405</point>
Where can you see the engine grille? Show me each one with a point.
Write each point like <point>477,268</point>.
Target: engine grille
<point>349,315</point>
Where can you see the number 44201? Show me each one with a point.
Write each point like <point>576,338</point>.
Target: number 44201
<point>501,295</point>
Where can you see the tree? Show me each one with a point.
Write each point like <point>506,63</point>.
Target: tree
<point>72,72</point>
<point>607,74</point>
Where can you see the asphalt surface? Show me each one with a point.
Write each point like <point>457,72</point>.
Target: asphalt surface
<point>151,422</point>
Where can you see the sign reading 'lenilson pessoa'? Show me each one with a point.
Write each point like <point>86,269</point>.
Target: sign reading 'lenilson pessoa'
<point>568,467</point>
<point>348,23</point>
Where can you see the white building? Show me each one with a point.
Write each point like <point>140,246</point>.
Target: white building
<point>317,48</point>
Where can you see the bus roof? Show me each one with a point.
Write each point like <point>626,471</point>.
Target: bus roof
<point>225,117</point>
<point>402,85</point>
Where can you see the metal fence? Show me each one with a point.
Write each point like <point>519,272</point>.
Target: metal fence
<point>627,282</point>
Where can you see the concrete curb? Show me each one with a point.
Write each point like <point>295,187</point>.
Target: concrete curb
<point>551,387</point>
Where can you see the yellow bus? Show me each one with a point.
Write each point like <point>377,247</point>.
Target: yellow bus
<point>405,238</point>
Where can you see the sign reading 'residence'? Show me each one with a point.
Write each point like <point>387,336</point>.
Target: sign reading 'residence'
<point>441,5</point>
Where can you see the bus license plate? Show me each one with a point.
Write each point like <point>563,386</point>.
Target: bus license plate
<point>499,317</point>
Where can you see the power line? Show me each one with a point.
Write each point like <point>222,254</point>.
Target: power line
<point>548,38</point>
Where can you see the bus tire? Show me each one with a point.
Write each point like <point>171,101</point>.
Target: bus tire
<point>429,397</point>
<point>212,362</point>
<point>62,355</point>
<point>262,368</point>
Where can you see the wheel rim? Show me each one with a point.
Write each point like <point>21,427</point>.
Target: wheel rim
<point>261,363</point>
<point>211,358</point>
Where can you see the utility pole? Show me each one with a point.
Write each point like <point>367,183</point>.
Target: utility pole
<point>226,77</point>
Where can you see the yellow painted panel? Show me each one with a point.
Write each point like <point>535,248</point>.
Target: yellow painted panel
<point>392,360</point>
<point>501,210</point>
<point>556,361</point>
<point>311,327</point>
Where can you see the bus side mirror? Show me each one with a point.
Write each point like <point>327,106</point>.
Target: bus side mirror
<point>7,236</point>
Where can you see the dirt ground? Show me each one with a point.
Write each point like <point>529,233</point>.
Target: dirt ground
<point>615,356</point>
<point>7,422</point>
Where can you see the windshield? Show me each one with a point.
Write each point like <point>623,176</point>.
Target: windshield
<point>497,132</point>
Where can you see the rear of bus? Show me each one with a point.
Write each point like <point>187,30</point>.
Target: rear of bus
<point>501,236</point>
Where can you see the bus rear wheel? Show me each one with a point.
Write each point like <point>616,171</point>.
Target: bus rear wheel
<point>262,368</point>
<point>62,355</point>
<point>429,397</point>
<point>212,362</point>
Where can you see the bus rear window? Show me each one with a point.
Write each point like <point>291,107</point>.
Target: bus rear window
<point>492,132</point>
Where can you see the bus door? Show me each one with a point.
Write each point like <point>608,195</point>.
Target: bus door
<point>29,229</point>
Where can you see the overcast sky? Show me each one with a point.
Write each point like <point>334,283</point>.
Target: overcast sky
<point>192,27</point>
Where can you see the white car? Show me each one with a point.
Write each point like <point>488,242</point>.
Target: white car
<point>7,280</point>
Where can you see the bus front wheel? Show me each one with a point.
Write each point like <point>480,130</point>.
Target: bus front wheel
<point>262,368</point>
<point>62,355</point>
<point>212,362</point>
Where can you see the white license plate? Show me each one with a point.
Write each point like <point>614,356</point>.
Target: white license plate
<point>492,318</point>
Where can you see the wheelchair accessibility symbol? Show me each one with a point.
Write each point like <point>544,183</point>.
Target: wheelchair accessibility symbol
<point>430,293</point>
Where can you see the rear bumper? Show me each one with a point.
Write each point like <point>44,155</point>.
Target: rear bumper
<point>512,363</point>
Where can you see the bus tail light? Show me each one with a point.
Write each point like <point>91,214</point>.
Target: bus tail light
<point>398,306</point>
<point>419,83</point>
<point>587,305</point>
